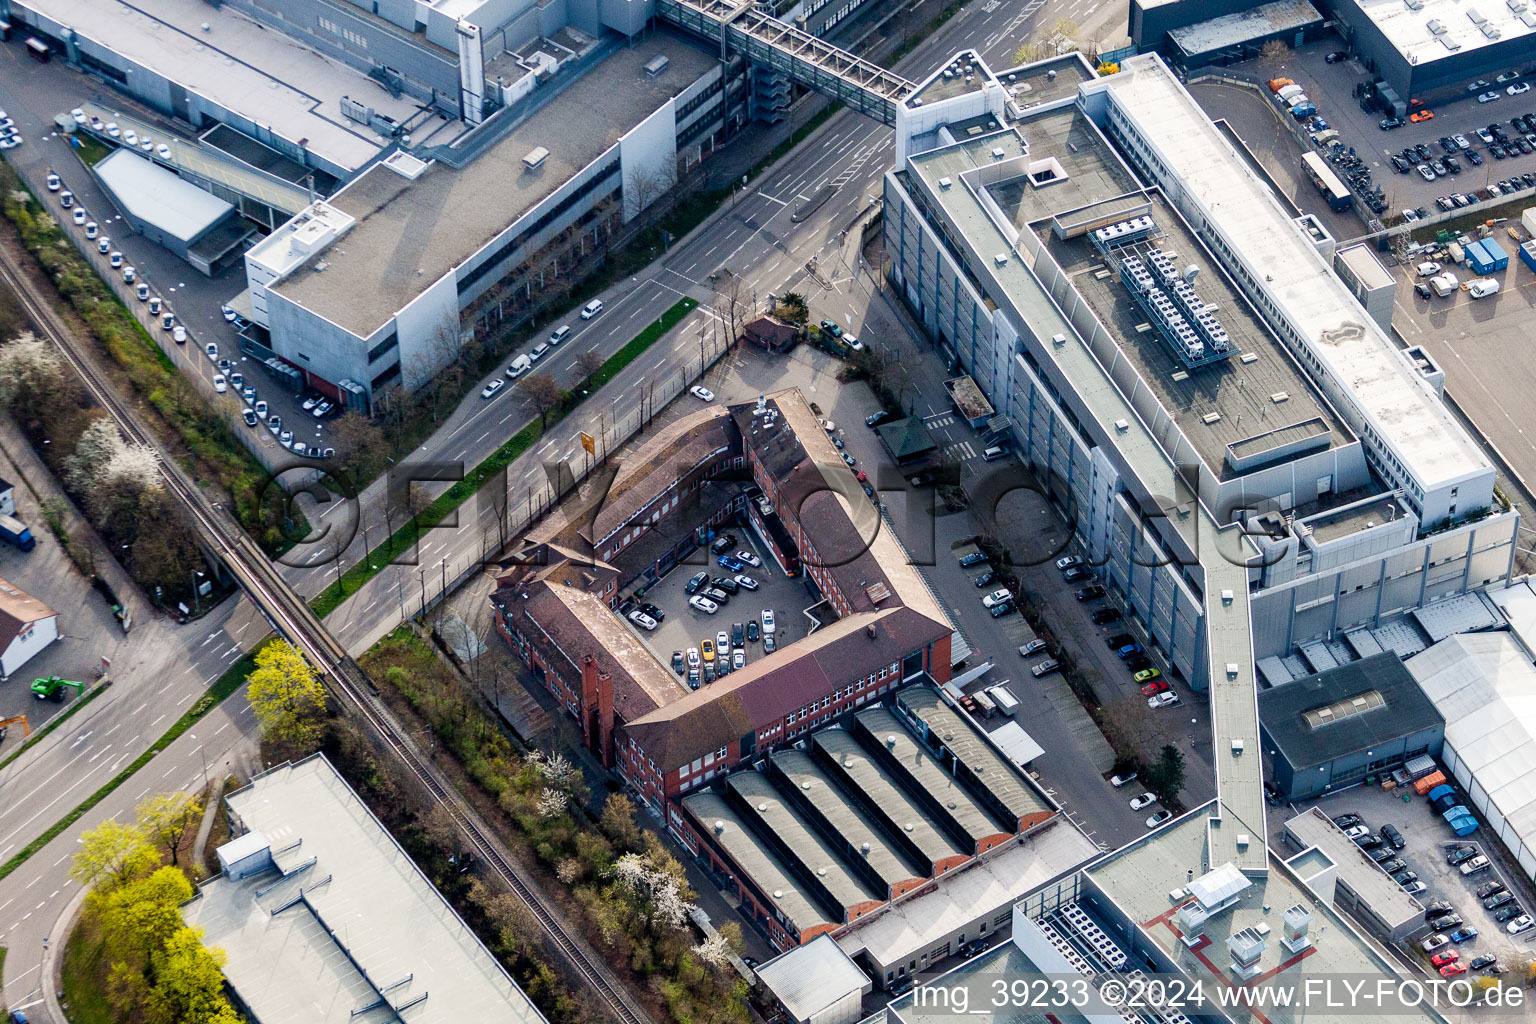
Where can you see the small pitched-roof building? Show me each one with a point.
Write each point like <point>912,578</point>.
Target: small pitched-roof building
<point>771,333</point>
<point>26,627</point>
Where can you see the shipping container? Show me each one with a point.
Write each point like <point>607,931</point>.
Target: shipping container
<point>1429,782</point>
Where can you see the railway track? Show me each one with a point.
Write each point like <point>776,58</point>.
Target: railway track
<point>291,616</point>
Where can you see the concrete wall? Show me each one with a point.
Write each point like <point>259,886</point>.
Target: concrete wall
<point>312,343</point>
<point>648,160</point>
<point>422,324</point>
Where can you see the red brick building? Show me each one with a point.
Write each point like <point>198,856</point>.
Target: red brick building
<point>555,605</point>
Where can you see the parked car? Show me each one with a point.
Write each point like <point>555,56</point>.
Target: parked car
<point>1450,956</point>
<point>1165,699</point>
<point>1147,676</point>
<point>1119,780</point>
<point>753,633</point>
<point>1486,961</point>
<point>974,558</point>
<point>1075,574</point>
<point>745,582</point>
<point>1120,640</point>
<point>1104,616</point>
<point>1508,912</point>
<point>704,604</point>
<point>1090,593</point>
<point>702,393</point>
<point>877,418</point>
<point>996,597</point>
<point>1393,836</point>
<point>490,390</point>
<point>985,578</point>
<point>1476,864</point>
<point>1489,888</point>
<point>698,580</point>
<point>1445,922</point>
<point>1348,820</point>
<point>1154,688</point>
<point>642,620</point>
<point>1459,854</point>
<point>1128,650</point>
<point>730,562</point>
<point>769,626</point>
<point>1434,942</point>
<point>1158,818</point>
<point>1519,924</point>
<point>1144,800</point>
<point>1414,887</point>
<point>1393,866</point>
<point>1498,899</point>
<point>1452,969</point>
<point>1437,908</point>
<point>1068,562</point>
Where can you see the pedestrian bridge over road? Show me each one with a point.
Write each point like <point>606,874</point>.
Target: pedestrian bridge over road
<point>766,41</point>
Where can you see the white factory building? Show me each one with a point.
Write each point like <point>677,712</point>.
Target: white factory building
<point>1175,353</point>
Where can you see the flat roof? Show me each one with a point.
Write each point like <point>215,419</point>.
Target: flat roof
<point>1244,26</point>
<point>810,978</point>
<point>771,875</point>
<point>1362,262</point>
<point>1314,720</point>
<point>1375,888</point>
<point>1346,343</point>
<point>963,740</point>
<point>1409,32</point>
<point>929,775</point>
<point>254,70</point>
<point>815,854</point>
<point>934,842</point>
<point>1046,81</point>
<point>1226,403</point>
<point>1111,418</point>
<point>154,195</point>
<point>1004,963</point>
<point>1354,517</point>
<point>365,916</point>
<point>1139,877</point>
<point>409,234</point>
<point>952,79</point>
<point>854,826</point>
<point>991,883</point>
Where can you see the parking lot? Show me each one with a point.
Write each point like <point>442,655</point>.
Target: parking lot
<point>1331,87</point>
<point>1428,840</point>
<point>686,626</point>
<point>1483,345</point>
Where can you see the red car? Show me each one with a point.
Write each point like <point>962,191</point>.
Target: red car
<point>1441,959</point>
<point>1155,687</point>
<point>1450,969</point>
<point>860,476</point>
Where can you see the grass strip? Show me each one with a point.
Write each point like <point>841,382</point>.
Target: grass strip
<point>403,539</point>
<point>56,721</point>
<point>227,684</point>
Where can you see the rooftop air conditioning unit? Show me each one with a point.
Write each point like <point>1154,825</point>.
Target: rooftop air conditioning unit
<point>945,182</point>
<point>536,159</point>
<point>1122,425</point>
<point>1237,747</point>
<point>1231,670</point>
<point>997,153</point>
<point>1058,339</point>
<point>1000,259</point>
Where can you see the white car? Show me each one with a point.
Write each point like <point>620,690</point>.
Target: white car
<point>147,144</point>
<point>179,334</point>
<point>261,408</point>
<point>1427,269</point>
<point>1518,88</point>
<point>104,244</point>
<point>560,334</point>
<point>79,216</point>
<point>285,438</point>
<point>1434,942</point>
<point>854,344</point>
<point>229,314</point>
<point>115,258</point>
<point>642,620</point>
<point>703,394</point>
<point>1519,924</point>
<point>1145,800</point>
<point>996,597</point>
<point>1487,97</point>
<point>693,658</point>
<point>1158,818</point>
<point>489,391</point>
<point>1461,140</point>
<point>745,582</point>
<point>769,626</point>
<point>749,558</point>
<point>591,309</point>
<point>738,658</point>
<point>54,184</point>
<point>219,383</point>
<point>1120,780</point>
<point>1069,562</point>
<point>163,151</point>
<point>1414,887</point>
<point>130,138</point>
<point>722,641</point>
<point>92,229</point>
<point>1163,700</point>
<point>129,273</point>
<point>538,352</point>
<point>112,129</point>
<point>78,114</point>
<point>11,142</point>
<point>1357,831</point>
<point>703,604</point>
<point>212,351</point>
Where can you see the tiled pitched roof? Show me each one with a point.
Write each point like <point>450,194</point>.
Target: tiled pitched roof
<point>18,610</point>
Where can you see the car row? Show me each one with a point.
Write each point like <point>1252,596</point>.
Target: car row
<point>719,655</point>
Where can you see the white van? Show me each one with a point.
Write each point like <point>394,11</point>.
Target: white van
<point>560,334</point>
<point>994,453</point>
<point>520,366</point>
<point>538,351</point>
<point>591,309</point>
<point>1482,287</point>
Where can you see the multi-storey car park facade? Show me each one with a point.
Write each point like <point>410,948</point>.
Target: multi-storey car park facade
<point>1344,489</point>
<point>554,605</point>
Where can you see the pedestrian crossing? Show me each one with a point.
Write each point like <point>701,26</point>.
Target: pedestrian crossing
<point>962,451</point>
<point>942,419</point>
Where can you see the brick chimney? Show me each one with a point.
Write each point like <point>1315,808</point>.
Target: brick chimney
<point>605,719</point>
<point>597,710</point>
<point>588,701</point>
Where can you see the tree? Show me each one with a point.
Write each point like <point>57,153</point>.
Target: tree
<point>618,823</point>
<point>1274,53</point>
<point>589,362</point>
<point>189,983</point>
<point>110,854</point>
<point>140,916</point>
<point>644,185</point>
<point>540,393</point>
<point>1166,777</point>
<point>165,818</point>
<point>287,695</point>
<point>733,303</point>
<point>358,441</point>
<point>793,309</point>
<point>30,369</point>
